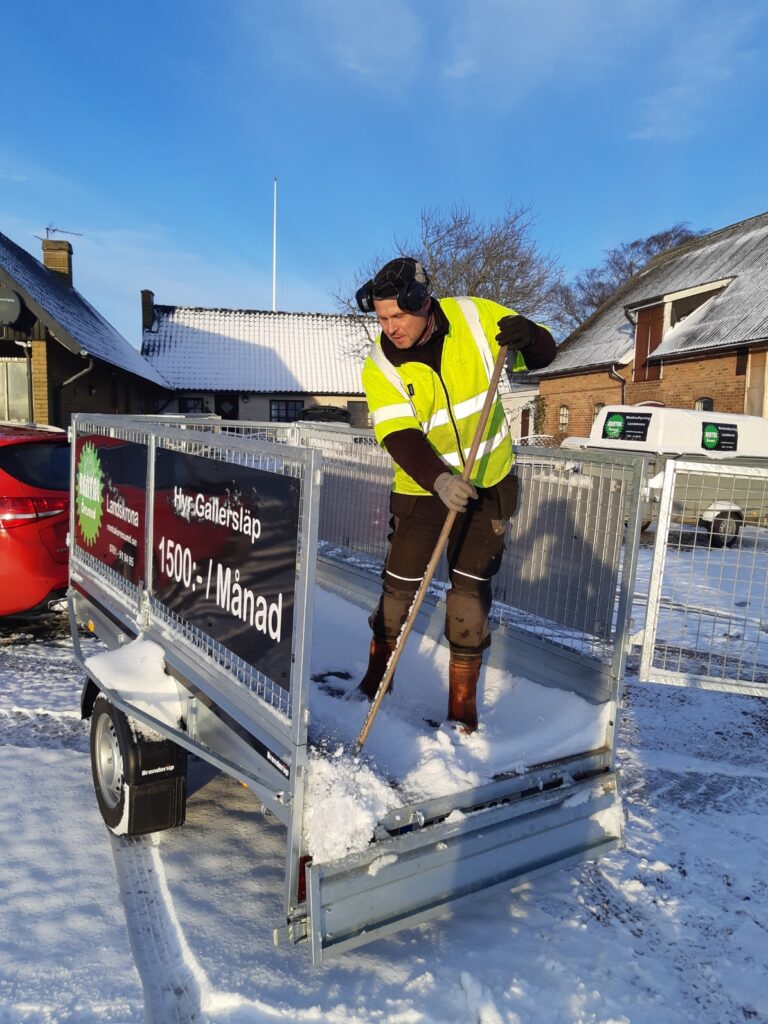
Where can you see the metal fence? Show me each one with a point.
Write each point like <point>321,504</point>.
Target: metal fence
<point>707,622</point>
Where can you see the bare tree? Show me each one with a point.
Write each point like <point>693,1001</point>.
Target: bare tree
<point>497,260</point>
<point>581,297</point>
<point>464,255</point>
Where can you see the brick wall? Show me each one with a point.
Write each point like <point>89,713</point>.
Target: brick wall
<point>580,393</point>
<point>40,393</point>
<point>683,383</point>
<point>680,386</point>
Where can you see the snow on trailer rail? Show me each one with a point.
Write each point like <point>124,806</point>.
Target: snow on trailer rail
<point>194,558</point>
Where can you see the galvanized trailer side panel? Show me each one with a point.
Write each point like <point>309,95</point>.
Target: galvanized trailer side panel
<point>414,877</point>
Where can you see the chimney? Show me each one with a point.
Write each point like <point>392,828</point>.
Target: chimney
<point>57,255</point>
<point>147,309</point>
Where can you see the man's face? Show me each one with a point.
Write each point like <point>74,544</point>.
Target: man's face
<point>403,329</point>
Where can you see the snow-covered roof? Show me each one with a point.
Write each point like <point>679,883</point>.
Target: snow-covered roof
<point>257,351</point>
<point>68,316</point>
<point>736,315</point>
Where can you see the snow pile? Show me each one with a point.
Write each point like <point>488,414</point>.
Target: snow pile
<point>405,759</point>
<point>344,801</point>
<point>137,672</point>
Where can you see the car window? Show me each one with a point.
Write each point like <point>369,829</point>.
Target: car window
<point>43,464</point>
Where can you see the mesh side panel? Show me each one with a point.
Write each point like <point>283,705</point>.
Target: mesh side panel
<point>205,645</point>
<point>711,619</point>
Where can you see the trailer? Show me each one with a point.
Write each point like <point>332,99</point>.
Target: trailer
<point>202,555</point>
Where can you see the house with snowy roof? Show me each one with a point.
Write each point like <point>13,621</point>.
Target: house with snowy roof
<point>59,355</point>
<point>256,365</point>
<point>690,330</point>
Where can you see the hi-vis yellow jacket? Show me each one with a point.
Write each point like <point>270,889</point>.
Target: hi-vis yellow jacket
<point>446,407</point>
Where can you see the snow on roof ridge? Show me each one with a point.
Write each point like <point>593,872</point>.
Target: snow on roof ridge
<point>161,308</point>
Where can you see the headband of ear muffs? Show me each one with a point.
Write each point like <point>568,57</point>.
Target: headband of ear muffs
<point>410,294</point>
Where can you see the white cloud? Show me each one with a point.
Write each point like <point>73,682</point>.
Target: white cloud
<point>504,51</point>
<point>381,44</point>
<point>708,57</point>
<point>13,177</point>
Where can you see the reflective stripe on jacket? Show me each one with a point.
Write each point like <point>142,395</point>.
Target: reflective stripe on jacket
<point>446,407</point>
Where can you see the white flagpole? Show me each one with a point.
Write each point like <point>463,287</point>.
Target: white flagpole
<point>274,252</point>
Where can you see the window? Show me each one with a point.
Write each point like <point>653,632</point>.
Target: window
<point>598,407</point>
<point>190,406</point>
<point>284,410</point>
<point>41,464</point>
<point>704,404</point>
<point>564,419</point>
<point>14,403</point>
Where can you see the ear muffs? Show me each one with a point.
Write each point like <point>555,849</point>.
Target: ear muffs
<point>364,297</point>
<point>410,297</point>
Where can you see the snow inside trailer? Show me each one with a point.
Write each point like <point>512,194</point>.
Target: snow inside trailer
<point>226,570</point>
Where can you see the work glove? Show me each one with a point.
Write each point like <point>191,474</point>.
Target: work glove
<point>453,491</point>
<point>516,332</point>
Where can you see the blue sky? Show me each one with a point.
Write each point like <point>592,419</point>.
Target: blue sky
<point>155,129</point>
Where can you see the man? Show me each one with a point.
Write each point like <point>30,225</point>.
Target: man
<point>425,380</point>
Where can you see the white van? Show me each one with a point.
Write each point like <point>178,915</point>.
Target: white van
<point>665,433</point>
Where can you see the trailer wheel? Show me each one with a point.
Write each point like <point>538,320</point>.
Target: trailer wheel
<point>108,755</point>
<point>724,530</point>
<point>120,762</point>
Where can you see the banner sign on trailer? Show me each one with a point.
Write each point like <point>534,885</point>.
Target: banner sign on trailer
<point>225,549</point>
<point>111,502</point>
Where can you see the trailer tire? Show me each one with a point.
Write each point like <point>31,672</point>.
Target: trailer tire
<point>128,805</point>
<point>724,530</point>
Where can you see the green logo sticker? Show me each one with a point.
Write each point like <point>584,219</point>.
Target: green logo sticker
<point>614,426</point>
<point>89,493</point>
<point>710,436</point>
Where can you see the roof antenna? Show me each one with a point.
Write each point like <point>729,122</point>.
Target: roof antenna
<point>51,230</point>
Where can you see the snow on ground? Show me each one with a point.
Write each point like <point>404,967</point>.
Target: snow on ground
<point>94,930</point>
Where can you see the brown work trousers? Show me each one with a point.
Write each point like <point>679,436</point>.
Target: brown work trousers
<point>474,550</point>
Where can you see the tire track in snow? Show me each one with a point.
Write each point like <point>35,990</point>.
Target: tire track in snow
<point>41,728</point>
<point>174,983</point>
<point>480,1003</point>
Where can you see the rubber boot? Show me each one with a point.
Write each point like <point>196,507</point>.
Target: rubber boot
<point>463,674</point>
<point>378,659</point>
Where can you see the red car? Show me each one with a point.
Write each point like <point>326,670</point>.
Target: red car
<point>34,517</point>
